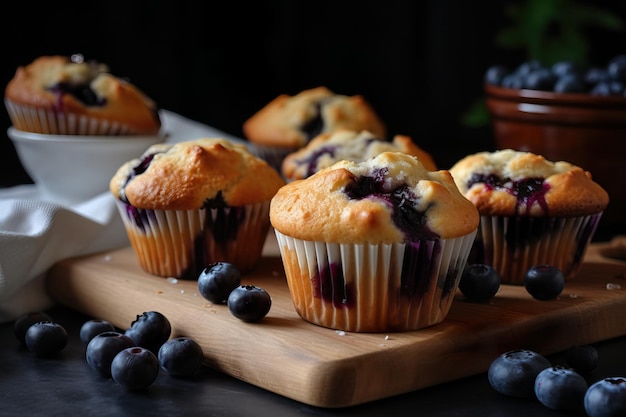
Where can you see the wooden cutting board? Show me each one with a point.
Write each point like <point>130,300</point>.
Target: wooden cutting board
<point>326,368</point>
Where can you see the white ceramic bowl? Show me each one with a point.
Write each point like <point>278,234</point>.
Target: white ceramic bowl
<point>72,168</point>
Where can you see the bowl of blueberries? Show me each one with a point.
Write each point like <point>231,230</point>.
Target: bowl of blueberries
<point>566,112</point>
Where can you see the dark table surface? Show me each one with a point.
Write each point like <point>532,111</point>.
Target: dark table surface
<point>65,385</point>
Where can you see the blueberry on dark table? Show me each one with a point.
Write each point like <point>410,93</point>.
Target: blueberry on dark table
<point>103,348</point>
<point>606,398</point>
<point>544,282</point>
<point>150,330</point>
<point>94,327</point>
<point>23,322</point>
<point>46,338</point>
<point>135,368</point>
<point>181,357</point>
<point>560,388</point>
<point>583,358</point>
<point>217,280</point>
<point>249,303</point>
<point>479,282</point>
<point>513,373</point>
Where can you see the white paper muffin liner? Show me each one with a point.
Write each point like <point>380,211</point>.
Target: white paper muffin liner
<point>512,245</point>
<point>36,120</point>
<point>181,243</point>
<point>374,288</point>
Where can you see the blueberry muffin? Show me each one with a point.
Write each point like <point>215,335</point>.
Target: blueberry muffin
<point>287,123</point>
<point>329,148</point>
<point>374,246</point>
<point>533,211</point>
<point>193,203</point>
<point>68,95</point>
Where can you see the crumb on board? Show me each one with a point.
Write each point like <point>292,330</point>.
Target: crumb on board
<point>611,286</point>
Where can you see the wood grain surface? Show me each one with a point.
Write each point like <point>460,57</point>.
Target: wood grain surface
<point>326,368</point>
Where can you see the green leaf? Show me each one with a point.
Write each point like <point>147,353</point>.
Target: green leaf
<point>477,115</point>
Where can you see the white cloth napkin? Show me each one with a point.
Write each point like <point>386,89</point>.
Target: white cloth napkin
<point>36,233</point>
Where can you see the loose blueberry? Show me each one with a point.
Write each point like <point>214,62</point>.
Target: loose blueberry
<point>92,328</point>
<point>135,368</point>
<point>560,388</point>
<point>583,358</point>
<point>544,282</point>
<point>23,322</point>
<point>150,330</point>
<point>217,281</point>
<point>479,282</point>
<point>181,357</point>
<point>46,338</point>
<point>103,348</point>
<point>513,373</point>
<point>606,398</point>
<point>249,303</point>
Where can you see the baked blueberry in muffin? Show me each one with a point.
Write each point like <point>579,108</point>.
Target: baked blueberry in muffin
<point>192,203</point>
<point>71,95</point>
<point>287,123</point>
<point>292,121</point>
<point>376,245</point>
<point>329,148</point>
<point>533,211</point>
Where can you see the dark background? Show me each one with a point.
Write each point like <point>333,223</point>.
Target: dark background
<point>419,63</point>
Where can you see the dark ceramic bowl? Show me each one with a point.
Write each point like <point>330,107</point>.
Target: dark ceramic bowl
<point>588,131</point>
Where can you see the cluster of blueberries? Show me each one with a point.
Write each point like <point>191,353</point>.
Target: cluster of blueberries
<point>134,357</point>
<point>523,373</point>
<point>481,282</point>
<point>563,77</point>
